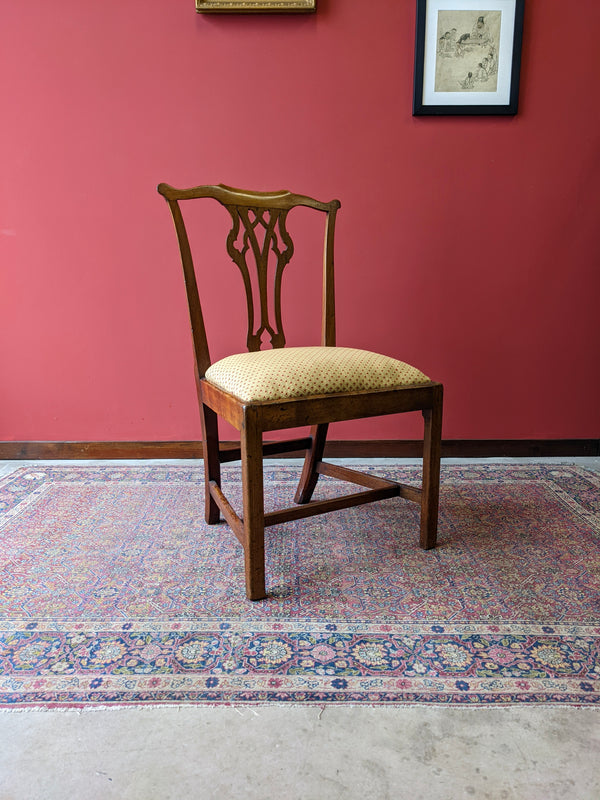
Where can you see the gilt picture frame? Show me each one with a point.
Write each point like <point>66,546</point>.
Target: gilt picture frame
<point>468,56</point>
<point>255,6</point>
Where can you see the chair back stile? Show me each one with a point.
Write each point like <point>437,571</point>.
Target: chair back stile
<point>200,342</point>
<point>328,316</point>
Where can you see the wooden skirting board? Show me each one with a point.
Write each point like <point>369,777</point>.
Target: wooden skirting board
<point>386,448</point>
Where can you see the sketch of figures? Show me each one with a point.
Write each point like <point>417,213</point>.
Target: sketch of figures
<point>480,32</point>
<point>447,44</point>
<point>468,83</point>
<point>467,51</point>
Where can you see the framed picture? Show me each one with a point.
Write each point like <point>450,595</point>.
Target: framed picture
<point>468,56</point>
<point>249,6</point>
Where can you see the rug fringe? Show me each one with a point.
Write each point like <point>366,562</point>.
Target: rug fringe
<point>320,706</point>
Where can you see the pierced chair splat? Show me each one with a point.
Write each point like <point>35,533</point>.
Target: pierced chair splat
<point>287,387</point>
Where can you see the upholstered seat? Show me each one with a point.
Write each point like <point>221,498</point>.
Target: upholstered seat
<point>290,372</point>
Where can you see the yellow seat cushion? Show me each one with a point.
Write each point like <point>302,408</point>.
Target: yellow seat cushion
<point>294,372</point>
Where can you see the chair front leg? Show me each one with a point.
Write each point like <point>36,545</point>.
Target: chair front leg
<point>310,476</point>
<point>253,504</point>
<point>212,464</point>
<point>432,447</point>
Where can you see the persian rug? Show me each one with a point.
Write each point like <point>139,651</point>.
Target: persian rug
<point>114,591</point>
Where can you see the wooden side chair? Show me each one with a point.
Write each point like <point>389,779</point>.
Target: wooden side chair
<point>288,387</point>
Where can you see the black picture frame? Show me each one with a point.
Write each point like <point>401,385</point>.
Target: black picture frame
<point>449,76</point>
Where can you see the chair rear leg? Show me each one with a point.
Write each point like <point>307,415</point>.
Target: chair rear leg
<point>310,476</point>
<point>432,446</point>
<point>212,464</point>
<point>253,504</point>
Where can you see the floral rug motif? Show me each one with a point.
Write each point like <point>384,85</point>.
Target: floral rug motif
<point>113,590</point>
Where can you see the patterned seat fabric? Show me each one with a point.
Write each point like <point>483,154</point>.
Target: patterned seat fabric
<point>295,372</point>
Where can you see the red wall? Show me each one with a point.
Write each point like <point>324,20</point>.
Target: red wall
<point>468,246</point>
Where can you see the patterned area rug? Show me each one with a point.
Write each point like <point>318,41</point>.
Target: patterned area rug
<point>114,591</point>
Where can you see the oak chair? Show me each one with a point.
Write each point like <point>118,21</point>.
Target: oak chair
<point>288,387</point>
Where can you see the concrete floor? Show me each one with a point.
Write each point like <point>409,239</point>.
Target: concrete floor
<point>297,752</point>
